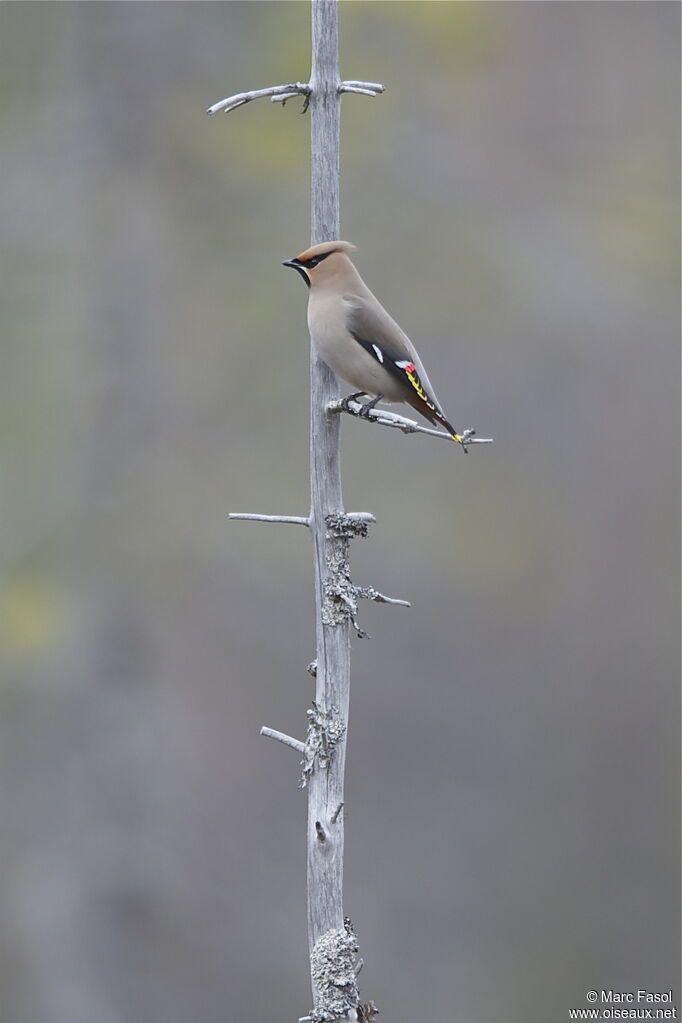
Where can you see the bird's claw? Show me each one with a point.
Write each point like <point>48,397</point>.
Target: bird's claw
<point>465,436</point>
<point>345,403</point>
<point>364,412</point>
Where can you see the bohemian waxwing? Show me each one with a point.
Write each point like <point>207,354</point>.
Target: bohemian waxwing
<point>358,339</point>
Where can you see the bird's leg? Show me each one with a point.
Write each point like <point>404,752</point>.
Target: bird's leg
<point>368,406</point>
<point>352,397</point>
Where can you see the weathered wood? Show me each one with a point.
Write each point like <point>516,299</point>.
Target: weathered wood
<point>333,948</point>
<point>326,785</point>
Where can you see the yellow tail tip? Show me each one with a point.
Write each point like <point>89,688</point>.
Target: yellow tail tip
<point>456,436</point>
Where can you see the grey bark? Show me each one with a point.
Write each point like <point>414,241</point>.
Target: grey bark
<point>325,787</point>
<point>333,948</point>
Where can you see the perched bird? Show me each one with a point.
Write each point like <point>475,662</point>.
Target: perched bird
<point>358,339</point>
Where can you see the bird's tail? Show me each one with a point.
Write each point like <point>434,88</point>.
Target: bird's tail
<point>454,435</point>
<point>424,403</point>
<point>437,418</point>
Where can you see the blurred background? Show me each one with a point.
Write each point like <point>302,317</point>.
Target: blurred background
<point>513,775</point>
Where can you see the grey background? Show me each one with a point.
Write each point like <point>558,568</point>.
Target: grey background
<point>513,773</point>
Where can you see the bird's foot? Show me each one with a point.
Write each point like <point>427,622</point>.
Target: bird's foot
<point>345,402</point>
<point>364,412</point>
<point>464,437</point>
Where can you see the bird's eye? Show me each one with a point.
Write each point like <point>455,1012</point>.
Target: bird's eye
<point>311,263</point>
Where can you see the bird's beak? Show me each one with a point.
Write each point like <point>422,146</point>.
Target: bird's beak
<point>294,263</point>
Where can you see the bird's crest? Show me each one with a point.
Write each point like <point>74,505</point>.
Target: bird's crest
<point>324,249</point>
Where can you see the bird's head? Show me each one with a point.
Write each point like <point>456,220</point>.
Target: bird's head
<point>320,262</point>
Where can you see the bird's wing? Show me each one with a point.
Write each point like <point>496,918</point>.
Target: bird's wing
<point>378,333</point>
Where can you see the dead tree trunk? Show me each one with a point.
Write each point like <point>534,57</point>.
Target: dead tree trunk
<point>333,949</point>
<point>332,686</point>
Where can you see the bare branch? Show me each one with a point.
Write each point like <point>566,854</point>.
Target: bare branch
<point>288,740</point>
<point>369,593</point>
<point>282,97</point>
<point>294,520</point>
<point>277,92</point>
<point>365,88</point>
<point>282,93</point>
<point>385,418</point>
<point>356,88</point>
